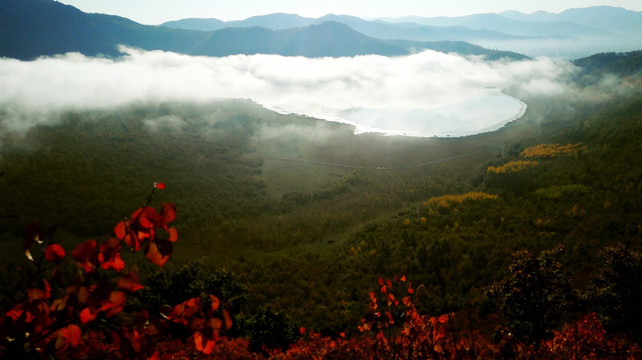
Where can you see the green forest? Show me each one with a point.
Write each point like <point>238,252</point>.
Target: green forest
<point>293,222</point>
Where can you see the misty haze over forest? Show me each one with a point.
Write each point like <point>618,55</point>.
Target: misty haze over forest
<point>457,95</point>
<point>452,89</point>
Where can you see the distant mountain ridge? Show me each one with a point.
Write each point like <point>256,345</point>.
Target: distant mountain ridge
<point>33,28</point>
<point>611,19</point>
<point>571,33</point>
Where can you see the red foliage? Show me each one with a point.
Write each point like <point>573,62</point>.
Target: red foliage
<point>141,232</point>
<point>51,324</point>
<point>587,339</point>
<point>54,253</point>
<point>109,255</point>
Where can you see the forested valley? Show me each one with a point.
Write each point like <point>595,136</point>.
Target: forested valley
<point>519,243</point>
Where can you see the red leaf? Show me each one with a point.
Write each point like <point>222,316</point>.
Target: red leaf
<point>209,347</point>
<point>159,185</point>
<point>84,251</point>
<point>198,340</point>
<point>86,315</point>
<point>134,340</point>
<point>441,333</point>
<point>198,343</point>
<point>59,304</point>
<point>185,310</point>
<point>302,330</point>
<point>133,241</point>
<point>158,252</point>
<point>228,320</point>
<point>54,253</point>
<point>216,323</point>
<point>154,255</point>
<point>168,213</point>
<point>37,294</point>
<point>443,318</point>
<point>130,282</point>
<point>173,234</point>
<point>117,298</point>
<point>115,303</point>
<point>121,229</point>
<point>380,281</point>
<point>214,302</point>
<point>75,334</point>
<point>146,217</point>
<point>83,294</point>
<point>403,278</point>
<point>109,256</point>
<point>116,263</point>
<point>15,313</point>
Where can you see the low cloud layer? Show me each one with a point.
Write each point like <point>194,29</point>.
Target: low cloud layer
<point>424,90</point>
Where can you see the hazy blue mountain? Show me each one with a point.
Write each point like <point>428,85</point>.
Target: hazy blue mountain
<point>277,21</point>
<point>196,24</point>
<point>536,16</point>
<point>377,28</point>
<point>327,39</point>
<point>612,19</point>
<point>573,33</point>
<point>249,41</point>
<point>32,28</point>
<point>607,18</point>
<point>499,23</point>
<point>336,39</point>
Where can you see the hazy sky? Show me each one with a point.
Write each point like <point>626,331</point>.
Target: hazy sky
<point>158,11</point>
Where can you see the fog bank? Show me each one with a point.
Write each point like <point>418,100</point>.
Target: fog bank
<point>424,94</point>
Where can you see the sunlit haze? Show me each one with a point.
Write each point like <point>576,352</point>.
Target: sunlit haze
<point>159,11</point>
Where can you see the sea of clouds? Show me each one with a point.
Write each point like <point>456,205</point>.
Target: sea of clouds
<point>425,94</point>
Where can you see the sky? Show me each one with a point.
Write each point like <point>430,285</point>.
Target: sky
<point>154,12</point>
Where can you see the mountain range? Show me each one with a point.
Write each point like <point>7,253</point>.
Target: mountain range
<point>571,33</point>
<point>33,28</point>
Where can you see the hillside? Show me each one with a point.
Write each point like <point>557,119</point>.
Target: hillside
<point>620,64</point>
<point>277,208</point>
<point>308,235</point>
<point>33,28</point>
